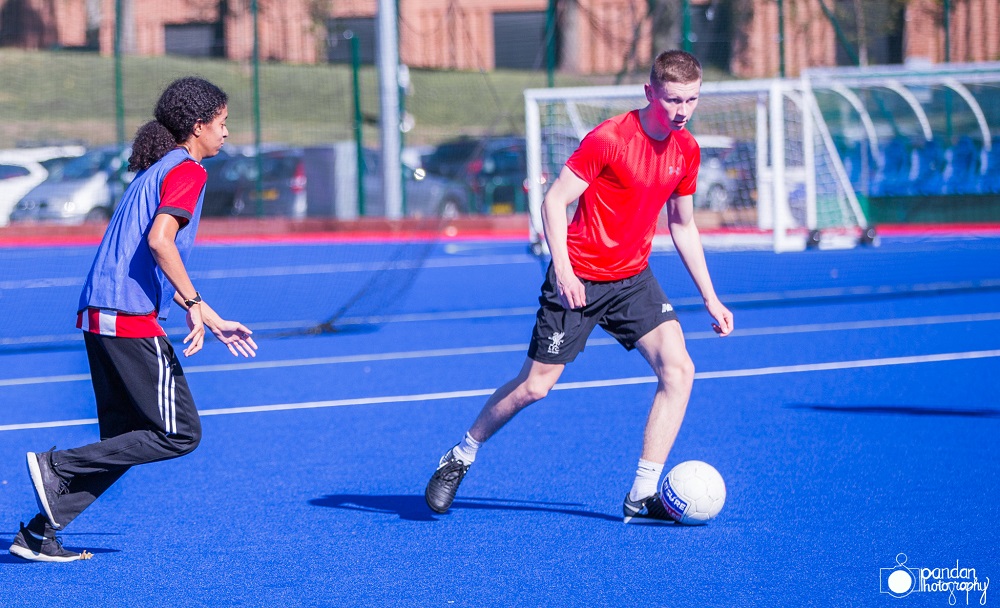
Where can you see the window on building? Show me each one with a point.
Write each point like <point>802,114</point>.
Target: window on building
<point>711,38</point>
<point>194,39</point>
<point>519,40</point>
<point>883,39</point>
<point>338,43</point>
<point>93,25</point>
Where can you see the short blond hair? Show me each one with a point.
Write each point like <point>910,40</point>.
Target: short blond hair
<point>674,66</point>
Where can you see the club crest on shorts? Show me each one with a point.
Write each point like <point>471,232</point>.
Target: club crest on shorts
<point>666,308</point>
<point>557,340</point>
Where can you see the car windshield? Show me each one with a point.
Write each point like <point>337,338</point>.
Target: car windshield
<point>12,171</point>
<point>278,167</point>
<point>714,153</point>
<point>454,151</point>
<point>81,167</point>
<point>509,160</point>
<point>275,165</point>
<point>54,164</point>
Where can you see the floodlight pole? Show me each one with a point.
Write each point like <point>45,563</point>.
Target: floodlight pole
<point>358,118</point>
<point>119,84</point>
<point>686,26</point>
<point>259,180</point>
<point>388,68</point>
<point>947,31</point>
<point>550,44</point>
<point>947,59</point>
<point>781,38</point>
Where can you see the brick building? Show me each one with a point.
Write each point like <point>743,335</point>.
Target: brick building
<point>594,36</point>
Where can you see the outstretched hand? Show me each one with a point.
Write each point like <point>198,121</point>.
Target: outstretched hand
<point>236,337</point>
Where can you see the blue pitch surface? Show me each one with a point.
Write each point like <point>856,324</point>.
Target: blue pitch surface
<point>849,430</point>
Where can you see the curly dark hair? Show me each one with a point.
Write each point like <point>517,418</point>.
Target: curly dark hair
<point>152,142</point>
<point>184,103</point>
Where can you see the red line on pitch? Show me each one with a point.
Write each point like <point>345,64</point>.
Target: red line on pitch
<point>462,229</point>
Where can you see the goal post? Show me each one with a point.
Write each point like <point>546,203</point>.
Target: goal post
<point>770,175</point>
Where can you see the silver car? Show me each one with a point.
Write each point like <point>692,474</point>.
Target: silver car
<point>425,194</point>
<point>83,189</point>
<point>717,180</point>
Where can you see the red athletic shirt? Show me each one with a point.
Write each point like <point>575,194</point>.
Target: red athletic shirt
<point>178,196</point>
<point>631,176</point>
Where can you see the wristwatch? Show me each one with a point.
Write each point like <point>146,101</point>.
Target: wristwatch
<point>195,300</point>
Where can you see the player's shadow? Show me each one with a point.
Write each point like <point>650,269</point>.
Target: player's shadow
<point>414,508</point>
<point>906,410</point>
<point>70,541</point>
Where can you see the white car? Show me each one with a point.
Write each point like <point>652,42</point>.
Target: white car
<point>84,189</point>
<point>23,169</point>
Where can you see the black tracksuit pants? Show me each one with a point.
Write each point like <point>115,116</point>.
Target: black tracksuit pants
<point>145,413</point>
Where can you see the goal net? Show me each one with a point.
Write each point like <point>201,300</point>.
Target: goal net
<point>770,175</point>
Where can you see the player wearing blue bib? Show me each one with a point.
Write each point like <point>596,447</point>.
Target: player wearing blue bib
<point>144,406</point>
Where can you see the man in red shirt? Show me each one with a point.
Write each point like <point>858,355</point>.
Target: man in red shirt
<point>622,173</point>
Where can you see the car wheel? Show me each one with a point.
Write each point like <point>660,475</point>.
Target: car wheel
<point>718,198</point>
<point>450,209</point>
<point>97,214</point>
<point>239,206</point>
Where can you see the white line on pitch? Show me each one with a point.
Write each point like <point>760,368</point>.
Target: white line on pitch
<point>306,269</point>
<point>495,313</point>
<point>735,373</point>
<point>48,425</point>
<point>506,348</point>
<point>854,325</point>
<point>792,369</point>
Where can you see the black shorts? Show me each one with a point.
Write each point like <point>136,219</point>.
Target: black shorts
<point>139,385</point>
<point>627,309</point>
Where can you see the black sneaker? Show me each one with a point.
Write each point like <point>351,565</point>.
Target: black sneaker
<point>444,483</point>
<point>48,485</point>
<point>645,511</point>
<point>46,548</point>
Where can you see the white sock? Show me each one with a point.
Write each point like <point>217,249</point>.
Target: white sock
<point>466,449</point>
<point>647,477</point>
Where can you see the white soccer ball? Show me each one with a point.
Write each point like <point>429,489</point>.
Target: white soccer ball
<point>693,492</point>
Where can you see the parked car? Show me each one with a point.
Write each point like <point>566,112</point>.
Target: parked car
<point>716,181</point>
<point>85,188</point>
<point>17,178</point>
<point>23,169</point>
<point>494,169</point>
<point>741,165</point>
<point>451,158</point>
<point>231,190</point>
<point>425,194</point>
